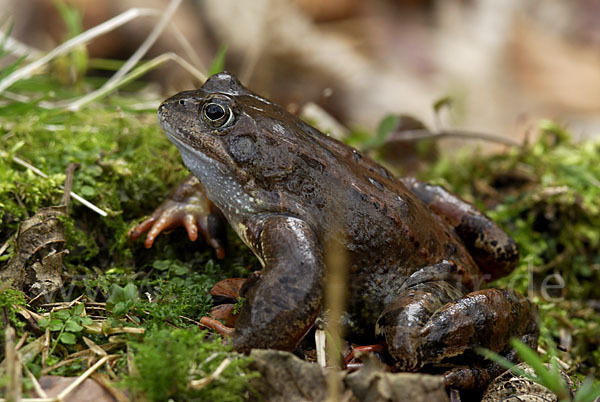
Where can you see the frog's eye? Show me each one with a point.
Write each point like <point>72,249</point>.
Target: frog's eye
<point>217,114</point>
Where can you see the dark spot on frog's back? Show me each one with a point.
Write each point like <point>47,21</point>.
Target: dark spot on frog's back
<point>242,148</point>
<point>313,163</point>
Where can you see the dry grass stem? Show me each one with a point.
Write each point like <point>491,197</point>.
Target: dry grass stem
<point>13,366</point>
<point>36,385</point>
<point>82,377</point>
<point>113,23</point>
<point>141,70</point>
<point>320,341</point>
<point>145,46</point>
<point>203,382</point>
<point>20,49</point>
<point>75,196</point>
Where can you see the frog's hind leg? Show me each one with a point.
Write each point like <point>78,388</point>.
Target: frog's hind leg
<point>432,324</point>
<point>493,250</point>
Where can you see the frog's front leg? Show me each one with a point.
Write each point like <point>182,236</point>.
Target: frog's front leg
<point>189,207</point>
<point>493,250</point>
<point>283,303</point>
<point>433,324</point>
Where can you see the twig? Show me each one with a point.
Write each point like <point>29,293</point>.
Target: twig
<point>75,196</point>
<point>68,185</point>
<point>149,41</point>
<point>157,61</point>
<point>84,37</point>
<point>20,49</point>
<point>22,340</point>
<point>419,134</point>
<point>320,339</point>
<point>82,378</point>
<point>6,243</point>
<point>36,385</point>
<point>13,366</point>
<point>203,382</point>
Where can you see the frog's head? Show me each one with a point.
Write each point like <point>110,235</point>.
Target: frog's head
<point>234,141</point>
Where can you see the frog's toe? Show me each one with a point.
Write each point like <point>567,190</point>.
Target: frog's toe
<point>136,231</point>
<point>218,326</point>
<point>189,222</point>
<point>478,376</point>
<point>194,218</point>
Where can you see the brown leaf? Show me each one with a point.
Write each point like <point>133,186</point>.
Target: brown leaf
<point>284,377</point>
<point>88,390</point>
<point>224,312</point>
<point>228,288</point>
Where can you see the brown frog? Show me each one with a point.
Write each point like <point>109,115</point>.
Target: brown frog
<point>417,254</point>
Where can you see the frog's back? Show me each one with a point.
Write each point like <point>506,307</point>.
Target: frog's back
<point>388,232</point>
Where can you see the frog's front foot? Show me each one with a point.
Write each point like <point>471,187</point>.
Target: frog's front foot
<point>431,324</point>
<point>187,206</point>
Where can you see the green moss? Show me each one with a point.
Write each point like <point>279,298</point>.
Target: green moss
<point>168,362</point>
<point>10,300</point>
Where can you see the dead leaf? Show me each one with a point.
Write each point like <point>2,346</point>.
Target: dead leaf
<point>228,288</point>
<point>224,312</point>
<point>284,377</point>
<point>88,390</point>
<point>37,264</point>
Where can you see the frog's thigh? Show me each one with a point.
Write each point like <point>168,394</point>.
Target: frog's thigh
<point>403,320</point>
<point>282,305</point>
<point>494,251</point>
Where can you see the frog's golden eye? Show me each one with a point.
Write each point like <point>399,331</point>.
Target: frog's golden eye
<point>217,114</point>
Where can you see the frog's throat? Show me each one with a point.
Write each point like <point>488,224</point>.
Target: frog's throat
<point>218,181</point>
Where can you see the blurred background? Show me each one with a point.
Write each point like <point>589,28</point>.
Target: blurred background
<point>505,63</point>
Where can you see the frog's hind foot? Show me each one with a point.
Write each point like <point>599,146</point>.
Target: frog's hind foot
<point>430,324</point>
<point>477,377</point>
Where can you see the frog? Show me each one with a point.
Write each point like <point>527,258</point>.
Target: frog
<point>417,256</point>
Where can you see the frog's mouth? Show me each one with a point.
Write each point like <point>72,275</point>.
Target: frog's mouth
<point>204,147</point>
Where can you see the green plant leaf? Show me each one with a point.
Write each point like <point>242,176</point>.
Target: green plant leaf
<point>130,292</point>
<point>218,63</point>
<point>79,309</point>
<point>62,315</point>
<point>72,326</point>
<point>550,379</point>
<point>55,325</point>
<point>587,392</point>
<point>445,101</point>
<point>68,338</point>
<point>161,265</point>
<point>386,126</point>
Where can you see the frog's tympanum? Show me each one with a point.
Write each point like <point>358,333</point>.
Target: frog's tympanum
<point>417,255</point>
